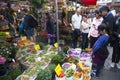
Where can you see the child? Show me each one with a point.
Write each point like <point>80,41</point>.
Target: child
<point>100,52</point>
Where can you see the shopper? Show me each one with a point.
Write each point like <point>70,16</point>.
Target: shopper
<point>85,30</point>
<point>116,43</point>
<point>50,28</point>
<point>93,33</point>
<point>76,24</point>
<point>29,25</point>
<point>100,52</point>
<point>110,19</point>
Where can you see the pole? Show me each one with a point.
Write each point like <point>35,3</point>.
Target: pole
<point>56,1</point>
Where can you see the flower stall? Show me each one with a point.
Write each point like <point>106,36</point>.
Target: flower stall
<point>77,66</point>
<point>35,58</point>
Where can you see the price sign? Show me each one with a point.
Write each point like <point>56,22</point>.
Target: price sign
<point>37,47</point>
<point>58,69</point>
<point>56,45</point>
<point>24,38</point>
<point>81,65</point>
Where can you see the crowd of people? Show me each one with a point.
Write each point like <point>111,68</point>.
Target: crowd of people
<point>101,31</point>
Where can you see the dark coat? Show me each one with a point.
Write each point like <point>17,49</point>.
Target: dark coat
<point>50,26</point>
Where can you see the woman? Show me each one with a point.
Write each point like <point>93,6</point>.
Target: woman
<point>85,30</point>
<point>93,33</point>
<point>50,28</point>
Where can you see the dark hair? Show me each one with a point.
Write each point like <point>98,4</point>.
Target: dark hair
<point>104,8</point>
<point>97,11</point>
<point>48,15</point>
<point>104,26</point>
<point>84,15</point>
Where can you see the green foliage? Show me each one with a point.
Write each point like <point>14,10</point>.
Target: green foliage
<point>14,74</point>
<point>42,45</point>
<point>65,49</point>
<point>57,59</point>
<point>69,73</point>
<point>51,67</point>
<point>44,74</point>
<point>6,78</point>
<point>8,51</point>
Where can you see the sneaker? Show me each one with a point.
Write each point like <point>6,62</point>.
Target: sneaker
<point>118,66</point>
<point>112,65</point>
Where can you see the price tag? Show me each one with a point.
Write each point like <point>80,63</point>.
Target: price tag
<point>56,45</point>
<point>24,38</point>
<point>81,65</point>
<point>58,69</point>
<point>37,47</point>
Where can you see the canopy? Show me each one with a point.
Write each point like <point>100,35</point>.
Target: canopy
<point>89,2</point>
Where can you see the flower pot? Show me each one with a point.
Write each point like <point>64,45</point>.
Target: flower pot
<point>3,71</point>
<point>70,78</point>
<point>57,78</point>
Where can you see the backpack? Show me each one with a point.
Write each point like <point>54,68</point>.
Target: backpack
<point>30,21</point>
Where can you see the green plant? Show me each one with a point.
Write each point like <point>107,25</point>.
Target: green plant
<point>69,73</point>
<point>8,52</point>
<point>14,73</point>
<point>6,78</point>
<point>57,59</point>
<point>44,74</point>
<point>42,45</point>
<point>65,49</point>
<point>51,67</point>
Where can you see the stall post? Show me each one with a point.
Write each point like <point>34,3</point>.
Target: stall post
<point>56,1</point>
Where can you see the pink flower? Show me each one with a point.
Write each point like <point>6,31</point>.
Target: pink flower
<point>2,60</point>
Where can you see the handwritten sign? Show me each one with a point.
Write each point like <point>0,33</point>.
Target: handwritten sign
<point>58,69</point>
<point>56,45</point>
<point>37,47</point>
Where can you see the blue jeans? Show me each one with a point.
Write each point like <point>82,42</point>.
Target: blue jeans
<point>52,41</point>
<point>98,68</point>
<point>75,38</point>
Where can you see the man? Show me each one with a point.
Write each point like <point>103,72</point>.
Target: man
<point>30,23</point>
<point>76,23</point>
<point>109,19</point>
<point>116,42</point>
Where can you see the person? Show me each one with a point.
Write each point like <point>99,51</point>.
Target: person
<point>116,43</point>
<point>63,14</point>
<point>50,28</point>
<point>100,52</point>
<point>30,23</point>
<point>110,19</point>
<point>76,24</point>
<point>93,33</point>
<point>85,30</point>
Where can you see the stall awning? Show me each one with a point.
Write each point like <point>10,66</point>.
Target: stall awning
<point>89,2</point>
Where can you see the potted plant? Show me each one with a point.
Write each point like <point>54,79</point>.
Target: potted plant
<point>14,73</point>
<point>57,59</point>
<point>3,69</point>
<point>44,74</point>
<point>69,74</point>
<point>51,67</point>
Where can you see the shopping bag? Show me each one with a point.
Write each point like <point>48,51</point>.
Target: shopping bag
<point>21,27</point>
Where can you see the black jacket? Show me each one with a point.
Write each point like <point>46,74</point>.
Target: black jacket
<point>110,20</point>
